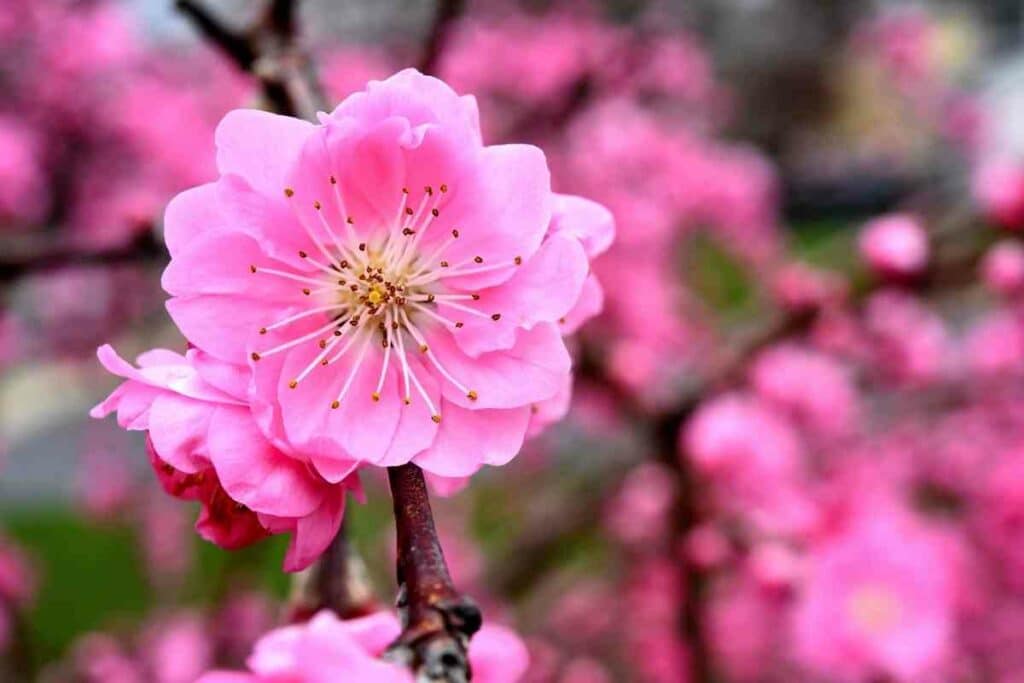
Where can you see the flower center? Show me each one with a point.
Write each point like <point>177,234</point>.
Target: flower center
<point>874,608</point>
<point>383,287</point>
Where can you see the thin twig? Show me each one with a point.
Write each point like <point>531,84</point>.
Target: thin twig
<point>16,263</point>
<point>440,32</point>
<point>270,51</point>
<point>338,581</point>
<point>437,621</point>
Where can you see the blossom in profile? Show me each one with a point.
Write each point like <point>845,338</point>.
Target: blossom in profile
<point>879,599</point>
<point>894,245</point>
<point>205,446</point>
<point>328,649</point>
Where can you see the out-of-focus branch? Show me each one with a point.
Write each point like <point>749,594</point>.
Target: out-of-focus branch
<point>17,262</point>
<point>440,31</point>
<point>270,51</point>
<point>437,621</point>
<point>338,582</point>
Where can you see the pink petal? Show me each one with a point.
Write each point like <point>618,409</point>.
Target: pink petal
<point>584,220</point>
<point>314,532</point>
<point>256,474</point>
<point>545,289</point>
<point>589,304</point>
<point>189,214</point>
<point>178,428</point>
<point>418,98</point>
<point>532,370</point>
<point>470,439</point>
<point>260,147</point>
<point>360,428</point>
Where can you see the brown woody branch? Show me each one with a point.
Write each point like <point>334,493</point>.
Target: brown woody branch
<point>437,621</point>
<point>269,50</point>
<point>338,582</point>
<point>440,32</point>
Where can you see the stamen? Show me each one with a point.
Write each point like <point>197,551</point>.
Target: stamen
<point>286,275</point>
<point>296,341</point>
<point>352,374</point>
<point>304,314</point>
<point>420,339</point>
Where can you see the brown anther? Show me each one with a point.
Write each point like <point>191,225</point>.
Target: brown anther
<point>263,330</point>
<point>561,320</point>
<point>293,383</point>
<point>534,408</point>
<point>455,234</point>
<point>252,269</point>
<point>478,259</point>
<point>344,263</point>
<point>436,419</point>
<point>334,181</point>
<point>337,333</point>
<point>424,348</point>
<point>350,220</point>
<point>362,246</point>
<point>408,210</point>
<point>254,356</point>
<point>334,405</point>
<point>354,288</point>
<point>324,362</point>
<point>518,260</point>
<point>407,400</point>
<point>288,192</point>
<point>429,190</point>
<point>405,190</point>
<point>375,396</point>
<point>435,213</point>
<point>444,264</point>
<point>444,188</point>
<point>323,343</point>
<point>302,254</point>
<point>394,325</point>
<point>430,298</point>
<point>316,205</point>
<point>305,290</point>
<point>408,231</point>
<point>476,297</point>
<point>458,324</point>
<point>471,395</point>
<point>341,282</point>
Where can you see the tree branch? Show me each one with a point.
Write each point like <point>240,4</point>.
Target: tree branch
<point>338,582</point>
<point>268,50</point>
<point>440,32</point>
<point>437,621</point>
<point>17,262</point>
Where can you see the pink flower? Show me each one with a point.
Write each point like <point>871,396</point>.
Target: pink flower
<point>879,600</point>
<point>327,648</point>
<point>813,387</point>
<point>908,340</point>
<point>205,445</point>
<point>391,282</point>
<point>894,245</point>
<point>1002,270</point>
<point>998,187</point>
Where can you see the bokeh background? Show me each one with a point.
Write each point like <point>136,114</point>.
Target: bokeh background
<point>795,449</point>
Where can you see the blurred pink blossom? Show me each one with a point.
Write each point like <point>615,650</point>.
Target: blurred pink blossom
<point>998,187</point>
<point>894,245</point>
<point>1002,270</point>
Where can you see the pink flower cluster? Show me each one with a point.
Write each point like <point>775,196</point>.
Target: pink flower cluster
<point>377,289</point>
